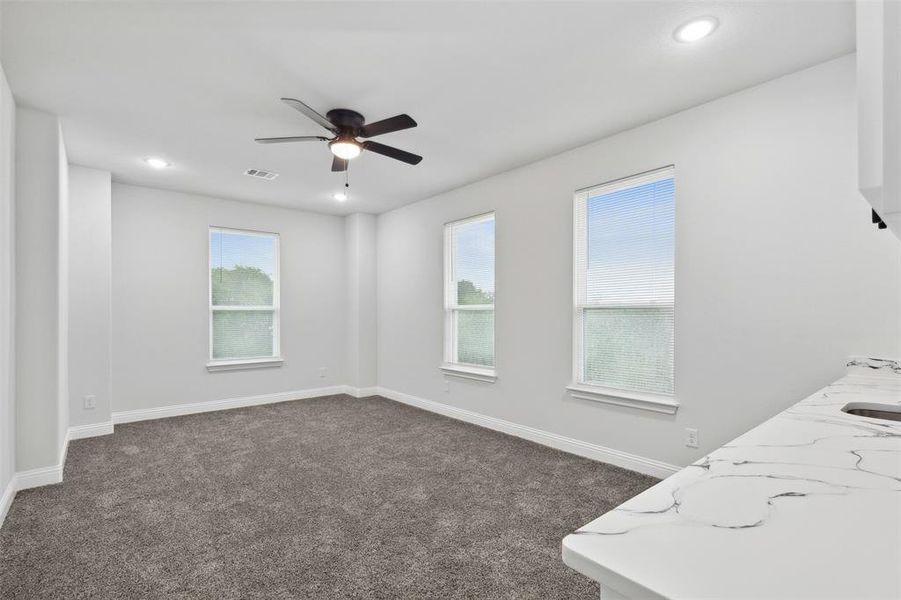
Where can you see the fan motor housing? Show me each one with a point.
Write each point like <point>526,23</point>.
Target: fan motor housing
<point>344,118</point>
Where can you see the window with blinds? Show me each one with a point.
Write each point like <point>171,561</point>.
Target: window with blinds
<point>244,295</point>
<point>469,292</point>
<point>624,234</point>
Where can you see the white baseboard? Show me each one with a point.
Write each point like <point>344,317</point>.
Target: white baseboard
<point>178,410</point>
<point>361,392</point>
<point>37,477</point>
<point>63,453</point>
<point>633,462</point>
<point>79,432</point>
<point>49,475</point>
<point>6,499</point>
<point>32,478</point>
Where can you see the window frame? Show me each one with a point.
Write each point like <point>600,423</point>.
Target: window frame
<point>450,365</point>
<point>580,388</point>
<point>231,364</point>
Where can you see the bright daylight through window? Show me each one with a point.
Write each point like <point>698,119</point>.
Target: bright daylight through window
<point>624,284</point>
<point>469,295</point>
<point>244,295</point>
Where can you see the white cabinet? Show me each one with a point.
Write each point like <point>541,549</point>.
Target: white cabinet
<point>879,107</point>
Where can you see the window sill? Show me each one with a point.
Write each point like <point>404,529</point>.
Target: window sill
<point>652,402</point>
<point>469,372</point>
<point>244,363</point>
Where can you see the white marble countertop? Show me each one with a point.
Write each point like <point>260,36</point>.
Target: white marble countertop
<point>806,505</point>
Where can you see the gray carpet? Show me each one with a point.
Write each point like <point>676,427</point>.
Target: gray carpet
<point>325,498</point>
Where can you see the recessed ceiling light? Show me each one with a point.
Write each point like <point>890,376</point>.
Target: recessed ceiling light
<point>157,163</point>
<point>695,29</point>
<point>339,196</point>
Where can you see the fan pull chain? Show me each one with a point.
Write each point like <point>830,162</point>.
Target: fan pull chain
<point>347,180</point>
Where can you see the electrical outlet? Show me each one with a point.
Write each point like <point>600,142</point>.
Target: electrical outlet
<point>90,401</point>
<point>446,385</point>
<point>323,371</point>
<point>691,437</point>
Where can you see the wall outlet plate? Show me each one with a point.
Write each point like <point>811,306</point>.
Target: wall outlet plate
<point>323,371</point>
<point>691,437</point>
<point>90,401</point>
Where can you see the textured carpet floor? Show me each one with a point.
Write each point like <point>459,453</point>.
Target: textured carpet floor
<point>325,498</point>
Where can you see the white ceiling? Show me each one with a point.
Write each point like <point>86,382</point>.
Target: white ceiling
<point>493,85</point>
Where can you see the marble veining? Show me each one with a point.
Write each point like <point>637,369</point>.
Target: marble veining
<point>875,363</point>
<point>809,501</point>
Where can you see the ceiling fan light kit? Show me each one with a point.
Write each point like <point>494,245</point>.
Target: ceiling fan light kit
<point>345,148</point>
<point>347,125</point>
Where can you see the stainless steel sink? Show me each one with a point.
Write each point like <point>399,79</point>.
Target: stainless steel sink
<point>871,410</point>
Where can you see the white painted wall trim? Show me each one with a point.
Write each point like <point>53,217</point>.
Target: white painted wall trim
<point>39,477</point>
<point>243,364</point>
<point>44,475</point>
<point>633,462</point>
<point>468,372</point>
<point>652,402</point>
<point>64,452</point>
<point>6,499</point>
<point>32,478</point>
<point>177,410</point>
<point>364,392</point>
<point>93,430</point>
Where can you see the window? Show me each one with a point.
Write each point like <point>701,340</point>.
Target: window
<point>624,291</point>
<point>244,299</point>
<point>469,298</point>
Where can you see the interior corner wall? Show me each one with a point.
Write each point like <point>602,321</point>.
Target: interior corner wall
<point>360,269</point>
<point>780,275</point>
<point>90,248</point>
<point>160,299</point>
<point>62,306</point>
<point>41,351</point>
<point>7,287</point>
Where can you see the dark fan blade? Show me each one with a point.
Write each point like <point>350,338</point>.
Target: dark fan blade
<point>296,138</point>
<point>387,126</point>
<point>309,112</point>
<point>339,164</point>
<point>394,153</point>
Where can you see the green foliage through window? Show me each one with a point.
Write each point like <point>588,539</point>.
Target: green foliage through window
<point>241,286</point>
<point>468,294</point>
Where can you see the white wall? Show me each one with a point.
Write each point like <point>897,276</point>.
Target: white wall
<point>41,350</point>
<point>7,288</point>
<point>779,274</point>
<point>90,247</point>
<point>360,236</point>
<point>160,299</point>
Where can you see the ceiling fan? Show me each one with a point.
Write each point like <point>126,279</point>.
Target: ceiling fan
<point>347,126</point>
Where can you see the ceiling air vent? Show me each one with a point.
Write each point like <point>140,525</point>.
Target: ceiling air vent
<point>261,174</point>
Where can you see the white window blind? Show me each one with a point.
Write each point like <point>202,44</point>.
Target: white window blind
<point>469,291</point>
<point>244,295</point>
<point>624,234</point>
